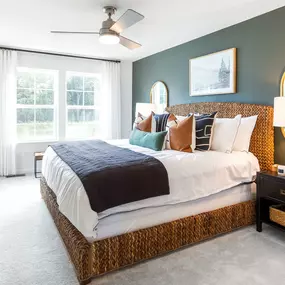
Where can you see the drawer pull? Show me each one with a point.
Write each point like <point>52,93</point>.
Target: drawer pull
<point>282,192</point>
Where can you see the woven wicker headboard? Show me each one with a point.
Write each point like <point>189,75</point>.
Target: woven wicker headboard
<point>262,140</point>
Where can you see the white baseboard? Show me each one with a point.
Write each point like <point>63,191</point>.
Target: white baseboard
<point>25,171</point>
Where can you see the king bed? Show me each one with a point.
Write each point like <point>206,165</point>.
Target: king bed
<point>209,193</point>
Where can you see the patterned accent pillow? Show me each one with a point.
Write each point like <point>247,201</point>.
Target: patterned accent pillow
<point>179,136</point>
<point>143,123</point>
<point>159,122</point>
<point>204,127</point>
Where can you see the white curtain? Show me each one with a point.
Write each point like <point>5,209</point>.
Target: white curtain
<point>111,111</point>
<point>8,63</point>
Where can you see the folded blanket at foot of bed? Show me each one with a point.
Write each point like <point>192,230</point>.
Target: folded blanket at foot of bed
<point>112,175</point>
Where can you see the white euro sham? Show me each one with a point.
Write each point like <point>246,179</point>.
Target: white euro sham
<point>244,133</point>
<point>224,133</point>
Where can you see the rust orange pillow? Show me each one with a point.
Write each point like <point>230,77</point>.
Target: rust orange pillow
<point>144,124</point>
<point>180,134</point>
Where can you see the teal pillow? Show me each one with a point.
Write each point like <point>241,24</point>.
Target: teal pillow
<point>153,141</point>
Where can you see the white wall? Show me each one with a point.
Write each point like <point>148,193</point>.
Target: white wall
<point>25,151</point>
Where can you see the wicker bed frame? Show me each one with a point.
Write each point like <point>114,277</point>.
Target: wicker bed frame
<point>99,257</point>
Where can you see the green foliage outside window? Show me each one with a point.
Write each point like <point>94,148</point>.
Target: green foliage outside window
<point>36,105</point>
<point>35,89</point>
<point>83,103</point>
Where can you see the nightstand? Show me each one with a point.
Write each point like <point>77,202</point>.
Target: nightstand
<point>270,192</point>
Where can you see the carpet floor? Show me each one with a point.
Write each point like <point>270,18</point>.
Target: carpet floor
<point>32,253</point>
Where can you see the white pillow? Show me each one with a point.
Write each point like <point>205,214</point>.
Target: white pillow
<point>244,133</point>
<point>181,118</point>
<point>224,134</point>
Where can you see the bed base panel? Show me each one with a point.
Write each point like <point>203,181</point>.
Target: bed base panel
<point>97,258</point>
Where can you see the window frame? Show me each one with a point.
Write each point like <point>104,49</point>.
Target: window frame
<point>79,107</point>
<point>35,106</point>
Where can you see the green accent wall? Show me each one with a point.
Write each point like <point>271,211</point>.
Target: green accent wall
<point>260,44</point>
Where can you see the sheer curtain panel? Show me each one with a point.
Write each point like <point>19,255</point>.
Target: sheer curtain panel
<point>8,64</point>
<point>111,97</point>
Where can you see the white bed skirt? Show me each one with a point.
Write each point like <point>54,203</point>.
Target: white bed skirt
<point>122,223</point>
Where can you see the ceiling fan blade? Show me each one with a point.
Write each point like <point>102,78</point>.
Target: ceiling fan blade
<point>129,43</point>
<point>129,18</point>
<point>78,33</point>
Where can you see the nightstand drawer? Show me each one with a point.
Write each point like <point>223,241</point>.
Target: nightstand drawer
<point>274,189</point>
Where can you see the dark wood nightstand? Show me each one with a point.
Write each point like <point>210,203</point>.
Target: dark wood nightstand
<point>270,191</point>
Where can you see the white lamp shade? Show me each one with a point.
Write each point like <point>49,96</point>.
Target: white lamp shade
<point>146,108</point>
<point>160,108</point>
<point>109,39</point>
<point>279,112</point>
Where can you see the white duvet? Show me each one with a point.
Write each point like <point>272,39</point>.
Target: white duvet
<point>191,176</point>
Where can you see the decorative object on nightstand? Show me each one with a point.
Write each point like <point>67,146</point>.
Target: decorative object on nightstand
<point>270,200</point>
<point>274,168</point>
<point>38,156</point>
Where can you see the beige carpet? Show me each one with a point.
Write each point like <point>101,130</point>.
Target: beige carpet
<point>31,251</point>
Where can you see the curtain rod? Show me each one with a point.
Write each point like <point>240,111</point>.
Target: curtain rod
<point>58,54</point>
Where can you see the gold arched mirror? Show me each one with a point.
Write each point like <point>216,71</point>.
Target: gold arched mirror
<point>159,94</point>
<point>282,93</point>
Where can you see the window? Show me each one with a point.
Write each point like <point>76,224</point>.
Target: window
<point>83,105</point>
<point>36,105</point>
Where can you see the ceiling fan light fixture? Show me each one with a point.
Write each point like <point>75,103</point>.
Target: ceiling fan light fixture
<point>110,33</point>
<point>109,39</point>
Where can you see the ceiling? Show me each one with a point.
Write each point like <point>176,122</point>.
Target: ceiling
<point>26,23</point>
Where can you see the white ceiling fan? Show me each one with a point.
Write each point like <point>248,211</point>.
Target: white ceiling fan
<point>110,33</point>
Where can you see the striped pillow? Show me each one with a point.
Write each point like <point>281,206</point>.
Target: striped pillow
<point>159,122</point>
<point>204,127</point>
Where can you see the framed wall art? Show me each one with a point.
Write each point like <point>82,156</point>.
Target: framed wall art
<point>213,73</point>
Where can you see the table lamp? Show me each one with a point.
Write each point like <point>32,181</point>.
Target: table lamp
<point>146,108</point>
<point>279,113</point>
<point>279,121</point>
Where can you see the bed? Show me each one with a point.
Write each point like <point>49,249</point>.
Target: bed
<point>124,235</point>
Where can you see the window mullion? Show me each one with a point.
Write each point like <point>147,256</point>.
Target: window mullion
<point>83,99</point>
<point>34,89</point>
<point>34,122</point>
<point>62,103</point>
<point>34,105</point>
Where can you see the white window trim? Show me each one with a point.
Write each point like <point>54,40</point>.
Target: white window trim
<point>60,102</point>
